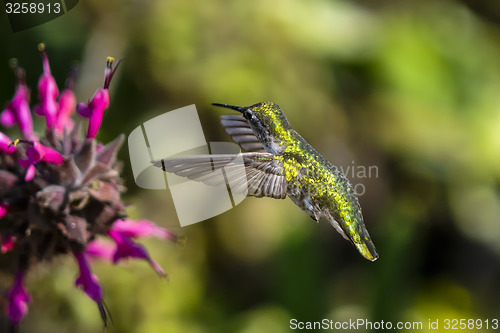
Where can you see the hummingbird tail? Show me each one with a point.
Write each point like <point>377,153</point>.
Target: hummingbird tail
<point>357,234</point>
<point>367,249</point>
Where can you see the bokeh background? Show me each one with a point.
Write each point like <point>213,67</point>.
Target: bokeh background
<point>410,88</point>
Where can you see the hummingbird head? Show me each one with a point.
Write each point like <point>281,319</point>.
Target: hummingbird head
<point>266,119</point>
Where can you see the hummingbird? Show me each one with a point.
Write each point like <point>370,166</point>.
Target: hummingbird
<point>278,163</point>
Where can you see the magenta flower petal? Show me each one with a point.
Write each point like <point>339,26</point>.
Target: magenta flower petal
<point>18,299</point>
<point>48,109</point>
<point>52,156</point>
<point>90,284</point>
<point>25,163</point>
<point>30,173</point>
<point>94,110</point>
<point>67,105</point>
<point>48,92</point>
<point>95,121</point>
<point>158,269</point>
<point>4,209</point>
<point>83,110</point>
<point>101,249</point>
<point>127,248</point>
<point>6,145</point>
<point>8,244</point>
<point>18,110</point>
<point>38,152</point>
<point>7,118</point>
<point>35,152</point>
<point>87,280</point>
<point>25,121</point>
<point>142,228</point>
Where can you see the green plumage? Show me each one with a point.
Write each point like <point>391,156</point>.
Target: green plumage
<point>280,163</point>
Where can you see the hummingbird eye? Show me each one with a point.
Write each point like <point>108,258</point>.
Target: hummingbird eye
<point>248,114</point>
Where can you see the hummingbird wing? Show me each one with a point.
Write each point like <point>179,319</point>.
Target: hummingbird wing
<point>240,131</point>
<point>263,176</point>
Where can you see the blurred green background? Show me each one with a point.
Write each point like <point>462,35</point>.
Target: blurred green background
<point>409,88</point>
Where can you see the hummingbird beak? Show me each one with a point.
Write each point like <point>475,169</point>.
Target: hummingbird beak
<point>237,108</point>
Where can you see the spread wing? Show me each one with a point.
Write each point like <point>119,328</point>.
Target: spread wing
<point>241,132</point>
<point>259,173</point>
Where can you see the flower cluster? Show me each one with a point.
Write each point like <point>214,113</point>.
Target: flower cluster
<point>60,193</point>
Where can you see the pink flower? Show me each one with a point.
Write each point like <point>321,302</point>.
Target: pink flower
<point>67,104</point>
<point>87,280</point>
<point>18,110</point>
<point>90,284</point>
<point>47,92</point>
<point>101,249</point>
<point>142,228</point>
<point>122,232</point>
<point>3,210</point>
<point>127,248</point>
<point>94,110</point>
<point>38,153</point>
<point>73,201</point>
<point>6,145</point>
<point>18,299</point>
<point>7,244</point>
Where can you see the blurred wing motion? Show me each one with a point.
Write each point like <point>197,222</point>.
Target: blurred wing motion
<point>238,128</point>
<point>262,176</point>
